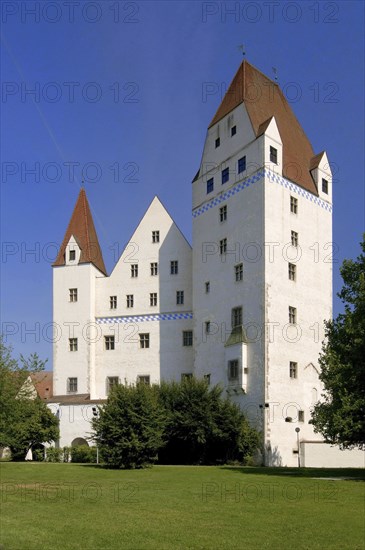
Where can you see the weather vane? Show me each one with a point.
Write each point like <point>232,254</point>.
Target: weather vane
<point>275,71</point>
<point>241,47</point>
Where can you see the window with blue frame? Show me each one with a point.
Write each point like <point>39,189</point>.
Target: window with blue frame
<point>210,185</point>
<point>225,175</point>
<point>241,164</point>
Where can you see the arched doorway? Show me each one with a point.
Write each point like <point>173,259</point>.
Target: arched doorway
<point>79,441</point>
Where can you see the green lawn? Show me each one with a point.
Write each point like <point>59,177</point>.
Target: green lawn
<point>72,506</point>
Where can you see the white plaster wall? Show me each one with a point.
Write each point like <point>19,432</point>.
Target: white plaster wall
<point>322,455</point>
<point>74,421</point>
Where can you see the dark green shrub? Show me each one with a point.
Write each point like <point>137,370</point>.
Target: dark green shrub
<point>83,453</point>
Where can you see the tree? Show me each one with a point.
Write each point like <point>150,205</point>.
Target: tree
<point>129,428</point>
<point>25,420</point>
<point>340,417</point>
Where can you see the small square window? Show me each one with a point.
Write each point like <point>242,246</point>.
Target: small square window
<point>109,343</point>
<point>273,155</point>
<point>222,246</point>
<point>223,213</point>
<point>134,270</point>
<point>292,315</point>
<point>207,287</point>
<point>294,238</point>
<point>179,297</point>
<point>144,379</point>
<point>144,340</point>
<point>130,300</point>
<point>72,255</point>
<point>241,165</point>
<point>238,272</point>
<point>72,344</point>
<point>155,236</point>
<point>207,379</point>
<point>225,175</point>
<point>233,369</point>
<point>292,271</point>
<point>300,416</point>
<point>236,317</point>
<point>187,338</point>
<point>324,186</point>
<point>210,185</point>
<point>174,267</point>
<point>73,294</point>
<point>233,131</point>
<point>111,382</point>
<point>293,369</point>
<point>71,385</point>
<point>154,268</point>
<point>113,302</point>
<point>217,142</point>
<point>153,299</point>
<point>293,205</point>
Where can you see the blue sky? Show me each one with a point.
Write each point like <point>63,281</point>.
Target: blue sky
<point>120,95</point>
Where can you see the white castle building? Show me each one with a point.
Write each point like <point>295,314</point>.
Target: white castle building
<point>243,307</point>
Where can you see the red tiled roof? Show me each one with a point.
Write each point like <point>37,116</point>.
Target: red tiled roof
<point>263,99</point>
<point>82,227</point>
<point>43,383</point>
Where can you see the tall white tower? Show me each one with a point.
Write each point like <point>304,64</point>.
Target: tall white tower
<point>262,266</point>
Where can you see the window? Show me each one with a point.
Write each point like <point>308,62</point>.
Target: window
<point>293,369</point>
<point>144,379</point>
<point>113,302</point>
<point>223,213</point>
<point>241,165</point>
<point>155,236</point>
<point>292,315</point>
<point>130,300</point>
<point>324,186</point>
<point>154,268</point>
<point>233,369</point>
<point>134,270</point>
<point>293,205</point>
<point>153,299</point>
<point>73,294</point>
<point>186,376</point>
<point>72,385</point>
<point>72,255</point>
<point>294,238</point>
<point>207,287</point>
<point>207,327</point>
<point>223,246</point>
<point>187,338</point>
<point>109,342</point>
<point>210,185</point>
<point>179,297</point>
<point>233,131</point>
<point>144,340</point>
<point>236,317</point>
<point>207,378</point>
<point>292,268</point>
<point>111,381</point>
<point>217,142</point>
<point>238,272</point>
<point>225,175</point>
<point>300,416</point>
<point>72,344</point>
<point>174,267</point>
<point>273,155</point>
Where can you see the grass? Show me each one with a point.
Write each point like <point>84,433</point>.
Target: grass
<point>74,506</point>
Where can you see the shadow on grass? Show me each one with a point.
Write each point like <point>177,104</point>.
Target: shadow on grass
<point>355,474</point>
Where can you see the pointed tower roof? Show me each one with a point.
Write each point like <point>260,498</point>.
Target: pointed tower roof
<point>263,99</point>
<point>82,227</point>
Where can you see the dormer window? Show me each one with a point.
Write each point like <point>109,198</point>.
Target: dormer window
<point>72,255</point>
<point>324,186</point>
